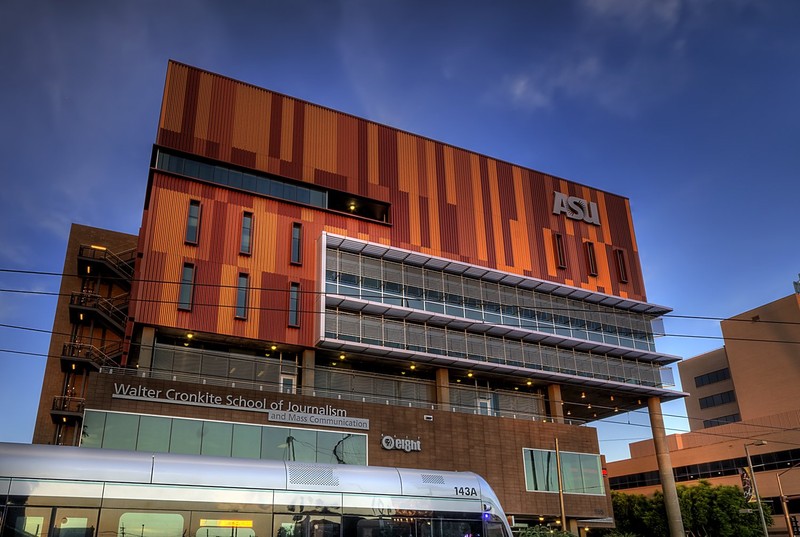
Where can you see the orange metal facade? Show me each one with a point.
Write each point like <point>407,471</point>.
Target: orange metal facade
<point>444,201</point>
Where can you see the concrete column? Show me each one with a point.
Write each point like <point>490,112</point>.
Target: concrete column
<point>556,403</point>
<point>443,388</point>
<point>309,364</point>
<point>146,343</point>
<point>665,469</point>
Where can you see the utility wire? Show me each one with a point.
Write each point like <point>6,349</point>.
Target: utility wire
<point>363,295</point>
<point>283,309</point>
<point>566,403</point>
<point>702,432</point>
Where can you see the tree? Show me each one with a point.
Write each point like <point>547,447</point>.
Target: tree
<point>720,511</point>
<point>706,510</point>
<point>633,513</point>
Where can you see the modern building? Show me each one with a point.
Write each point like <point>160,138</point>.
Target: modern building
<point>314,286</point>
<point>744,393</point>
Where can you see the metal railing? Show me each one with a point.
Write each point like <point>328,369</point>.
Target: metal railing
<point>65,403</point>
<point>112,308</point>
<point>122,261</point>
<point>102,356</point>
<point>330,393</point>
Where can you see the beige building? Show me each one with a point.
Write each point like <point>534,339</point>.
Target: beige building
<point>742,394</point>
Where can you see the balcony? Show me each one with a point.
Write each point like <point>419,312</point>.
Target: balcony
<point>98,259</point>
<point>67,410</point>
<point>112,312</point>
<point>376,389</point>
<point>81,357</point>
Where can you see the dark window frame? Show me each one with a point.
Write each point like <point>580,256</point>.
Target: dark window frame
<point>712,377</point>
<point>718,399</point>
<point>722,420</point>
<point>271,185</point>
<point>246,238</point>
<point>192,235</point>
<point>622,266</point>
<point>560,251</point>
<point>591,258</point>
<point>294,304</point>
<point>185,303</point>
<point>296,248</point>
<point>242,296</point>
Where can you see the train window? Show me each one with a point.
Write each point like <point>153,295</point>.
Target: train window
<point>27,522</point>
<point>306,526</point>
<point>151,525</point>
<point>30,522</point>
<point>74,522</point>
<point>226,529</point>
<point>378,527</point>
<point>456,528</point>
<point>495,529</point>
<point>141,524</point>
<point>229,524</point>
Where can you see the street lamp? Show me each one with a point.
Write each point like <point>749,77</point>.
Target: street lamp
<point>755,484</point>
<point>784,501</point>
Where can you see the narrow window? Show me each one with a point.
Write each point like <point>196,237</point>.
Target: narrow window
<point>561,258</point>
<point>241,296</point>
<point>591,259</point>
<point>287,383</point>
<point>294,304</point>
<point>622,269</point>
<point>484,406</point>
<point>247,232</point>
<point>187,287</point>
<point>193,222</point>
<point>297,234</point>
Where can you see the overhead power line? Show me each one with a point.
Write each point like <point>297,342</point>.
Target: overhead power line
<point>770,428</point>
<point>703,432</point>
<point>285,309</point>
<point>315,292</point>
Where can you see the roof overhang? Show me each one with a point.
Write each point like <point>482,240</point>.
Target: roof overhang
<point>400,255</point>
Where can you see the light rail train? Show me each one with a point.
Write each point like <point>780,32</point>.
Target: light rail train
<point>55,491</point>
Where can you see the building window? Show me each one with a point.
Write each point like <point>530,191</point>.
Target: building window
<point>722,420</point>
<point>710,378</point>
<point>274,186</point>
<point>193,222</point>
<point>485,406</point>
<point>591,259</point>
<point>241,296</point>
<point>118,430</point>
<point>294,304</point>
<point>297,235</point>
<point>622,269</point>
<point>287,383</point>
<point>581,472</point>
<point>187,287</point>
<point>247,233</point>
<point>717,399</point>
<point>558,243</point>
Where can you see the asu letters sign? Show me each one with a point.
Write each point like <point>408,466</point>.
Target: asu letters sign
<point>576,208</point>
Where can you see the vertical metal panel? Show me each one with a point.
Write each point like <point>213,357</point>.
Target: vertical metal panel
<point>445,201</point>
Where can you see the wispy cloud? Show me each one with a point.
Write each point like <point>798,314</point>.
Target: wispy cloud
<point>626,56</point>
<point>636,15</point>
<point>538,87</point>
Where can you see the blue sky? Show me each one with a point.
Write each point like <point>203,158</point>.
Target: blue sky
<point>687,107</point>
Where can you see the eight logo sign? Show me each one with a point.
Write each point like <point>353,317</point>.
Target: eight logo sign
<point>403,444</point>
